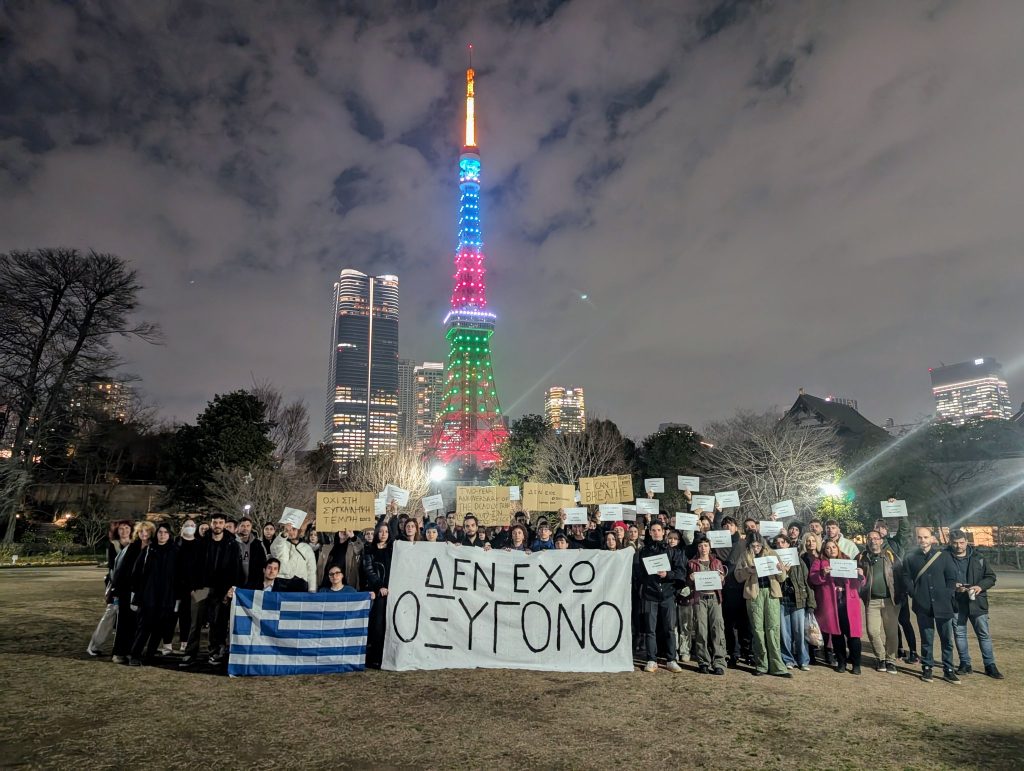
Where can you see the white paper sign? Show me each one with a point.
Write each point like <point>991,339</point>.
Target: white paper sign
<point>293,517</point>
<point>769,528</point>
<point>702,502</point>
<point>382,495</point>
<point>655,485</point>
<point>720,539</point>
<point>576,515</point>
<point>766,566</point>
<point>707,581</point>
<point>628,512</point>
<point>657,563</point>
<point>433,503</point>
<point>379,507</point>
<point>514,494</point>
<point>578,496</point>
<point>729,499</point>
<point>610,512</point>
<point>689,483</point>
<point>843,568</point>
<point>685,521</point>
<point>788,557</point>
<point>894,509</point>
<point>396,494</point>
<point>784,509</point>
<point>647,505</point>
<point>427,629</point>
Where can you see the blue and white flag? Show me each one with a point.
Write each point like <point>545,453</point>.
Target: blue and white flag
<point>298,633</point>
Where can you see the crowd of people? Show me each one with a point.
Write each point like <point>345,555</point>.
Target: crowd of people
<point>163,589</point>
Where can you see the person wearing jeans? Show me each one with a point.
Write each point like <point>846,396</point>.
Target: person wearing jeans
<point>974,577</point>
<point>797,599</point>
<point>929,577</point>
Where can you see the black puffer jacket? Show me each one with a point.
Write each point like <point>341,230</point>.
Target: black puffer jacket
<point>153,584</point>
<point>652,586</point>
<point>377,567</point>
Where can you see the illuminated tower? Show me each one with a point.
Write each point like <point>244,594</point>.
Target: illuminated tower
<point>469,428</point>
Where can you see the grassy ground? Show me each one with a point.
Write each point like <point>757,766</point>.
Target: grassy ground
<point>65,710</point>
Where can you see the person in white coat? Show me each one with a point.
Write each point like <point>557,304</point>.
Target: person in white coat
<point>298,561</point>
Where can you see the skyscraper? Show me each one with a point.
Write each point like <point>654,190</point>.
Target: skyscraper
<point>362,399</point>
<point>406,400</point>
<point>428,387</point>
<point>971,390</point>
<point>564,409</point>
<point>470,428</point>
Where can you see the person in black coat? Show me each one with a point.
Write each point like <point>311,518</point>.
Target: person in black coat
<point>930,581</point>
<point>377,571</point>
<point>124,567</point>
<point>658,596</point>
<point>154,594</point>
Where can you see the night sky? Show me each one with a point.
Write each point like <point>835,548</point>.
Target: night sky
<point>755,196</point>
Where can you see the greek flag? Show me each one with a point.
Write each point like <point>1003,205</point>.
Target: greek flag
<point>297,633</point>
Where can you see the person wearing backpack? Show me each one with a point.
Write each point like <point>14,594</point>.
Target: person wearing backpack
<point>930,580</point>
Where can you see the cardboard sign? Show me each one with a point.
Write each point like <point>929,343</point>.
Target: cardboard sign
<point>655,485</point>
<point>610,512</point>
<point>542,497</point>
<point>628,513</point>
<point>490,505</point>
<point>612,488</point>
<point>433,503</point>
<point>293,517</point>
<point>380,508</point>
<point>729,499</point>
<point>769,528</point>
<point>344,511</point>
<point>784,509</point>
<point>843,568</point>
<point>657,564</point>
<point>647,506</point>
<point>894,509</point>
<point>766,566</point>
<point>576,515</point>
<point>685,521</point>
<point>788,557</point>
<point>707,581</point>
<point>688,483</point>
<point>702,502</point>
<point>514,494</point>
<point>396,494</point>
<point>720,539</point>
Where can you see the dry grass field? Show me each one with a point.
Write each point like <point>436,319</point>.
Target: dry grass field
<point>65,710</point>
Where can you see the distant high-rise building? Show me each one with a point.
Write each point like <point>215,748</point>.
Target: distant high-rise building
<point>406,400</point>
<point>428,387</point>
<point>564,409</point>
<point>101,397</point>
<point>362,399</point>
<point>971,390</point>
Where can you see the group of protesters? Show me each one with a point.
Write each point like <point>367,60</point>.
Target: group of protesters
<point>162,586</point>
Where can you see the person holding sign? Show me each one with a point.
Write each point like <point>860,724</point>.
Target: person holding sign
<point>894,542</point>
<point>298,562</point>
<point>706,605</point>
<point>377,569</point>
<point>762,594</point>
<point>838,607</point>
<point>797,599</point>
<point>658,598</point>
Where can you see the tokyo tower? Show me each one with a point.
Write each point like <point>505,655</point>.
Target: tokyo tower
<point>469,427</point>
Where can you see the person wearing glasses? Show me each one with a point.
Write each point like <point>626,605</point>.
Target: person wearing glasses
<point>336,581</point>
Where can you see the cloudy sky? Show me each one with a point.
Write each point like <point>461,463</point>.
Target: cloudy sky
<point>755,196</point>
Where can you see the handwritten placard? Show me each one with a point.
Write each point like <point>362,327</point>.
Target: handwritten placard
<point>685,521</point>
<point>769,528</point>
<point>766,566</point>
<point>655,485</point>
<point>611,488</point>
<point>576,515</point>
<point>490,505</point>
<point>707,581</point>
<point>433,503</point>
<point>647,505</point>
<point>547,497</point>
<point>657,564</point>
<point>720,539</point>
<point>344,511</point>
<point>784,509</point>
<point>788,557</point>
<point>894,508</point>
<point>730,499</point>
<point>843,568</point>
<point>702,502</point>
<point>688,483</point>
<point>610,512</point>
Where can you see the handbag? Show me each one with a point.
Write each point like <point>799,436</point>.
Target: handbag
<point>812,632</point>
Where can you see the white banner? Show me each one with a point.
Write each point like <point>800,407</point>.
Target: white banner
<point>555,610</point>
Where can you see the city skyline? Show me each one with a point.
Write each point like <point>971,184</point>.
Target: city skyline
<point>794,176</point>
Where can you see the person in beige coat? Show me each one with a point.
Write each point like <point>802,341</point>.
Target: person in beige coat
<point>762,595</point>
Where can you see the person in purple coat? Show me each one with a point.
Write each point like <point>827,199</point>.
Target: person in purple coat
<point>838,607</point>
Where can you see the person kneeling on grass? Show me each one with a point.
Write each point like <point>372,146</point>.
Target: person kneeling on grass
<point>337,581</point>
<point>658,598</point>
<point>762,595</point>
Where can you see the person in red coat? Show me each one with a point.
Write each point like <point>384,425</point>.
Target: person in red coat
<point>839,607</point>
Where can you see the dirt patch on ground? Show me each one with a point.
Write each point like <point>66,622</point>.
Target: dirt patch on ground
<point>64,709</point>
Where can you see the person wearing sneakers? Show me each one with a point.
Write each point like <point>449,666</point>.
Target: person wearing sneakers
<point>658,598</point>
<point>881,594</point>
<point>929,578</point>
<point>974,577</point>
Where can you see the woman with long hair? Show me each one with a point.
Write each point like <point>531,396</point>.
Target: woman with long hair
<point>118,537</point>
<point>142,535</point>
<point>763,595</point>
<point>797,600</point>
<point>377,570</point>
<point>838,607</point>
<point>154,593</point>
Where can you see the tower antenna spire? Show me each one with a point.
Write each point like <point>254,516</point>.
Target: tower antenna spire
<point>470,103</point>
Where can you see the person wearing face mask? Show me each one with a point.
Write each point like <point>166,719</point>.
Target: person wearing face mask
<point>154,595</point>
<point>186,556</point>
<point>124,567</point>
<point>119,537</point>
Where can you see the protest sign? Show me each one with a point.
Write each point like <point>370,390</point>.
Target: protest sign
<point>433,503</point>
<point>576,496</point>
<point>380,508</point>
<point>784,509</point>
<point>720,539</point>
<point>766,566</point>
<point>788,557</point>
<point>514,494</point>
<point>610,512</point>
<point>656,485</point>
<point>396,494</point>
<point>843,568</point>
<point>613,488</point>
<point>554,610</point>
<point>576,515</point>
<point>490,505</point>
<point>344,511</point>
<point>293,517</point>
<point>769,528</point>
<point>647,506</point>
<point>657,564</point>
<point>707,581</point>
<point>702,502</point>
<point>894,508</point>
<point>547,497</point>
<point>729,499</point>
<point>688,483</point>
<point>685,521</point>
<point>628,513</point>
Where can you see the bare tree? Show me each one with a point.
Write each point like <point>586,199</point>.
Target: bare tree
<point>404,468</point>
<point>768,459</point>
<point>289,422</point>
<point>265,490</point>
<point>564,458</point>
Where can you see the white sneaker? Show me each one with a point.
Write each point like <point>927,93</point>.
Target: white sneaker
<point>685,656</point>
<point>165,650</point>
<point>673,666</point>
<point>119,659</point>
<point>652,666</point>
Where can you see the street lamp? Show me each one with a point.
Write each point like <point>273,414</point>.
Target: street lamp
<point>832,491</point>
<point>438,474</point>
